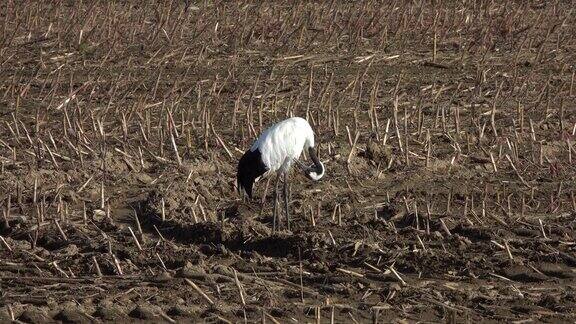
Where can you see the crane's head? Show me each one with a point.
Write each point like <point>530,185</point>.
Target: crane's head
<point>316,171</point>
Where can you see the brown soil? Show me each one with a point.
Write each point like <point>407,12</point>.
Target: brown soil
<point>463,209</point>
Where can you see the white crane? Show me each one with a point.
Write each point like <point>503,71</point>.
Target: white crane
<point>274,151</point>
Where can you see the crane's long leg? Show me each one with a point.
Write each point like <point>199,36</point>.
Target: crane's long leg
<point>275,216</point>
<point>286,198</point>
<point>263,201</point>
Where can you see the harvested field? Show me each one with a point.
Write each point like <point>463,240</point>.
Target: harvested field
<point>448,131</point>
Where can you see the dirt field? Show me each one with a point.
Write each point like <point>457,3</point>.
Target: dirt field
<point>447,130</point>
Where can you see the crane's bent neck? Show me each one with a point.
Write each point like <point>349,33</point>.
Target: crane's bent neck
<point>318,171</point>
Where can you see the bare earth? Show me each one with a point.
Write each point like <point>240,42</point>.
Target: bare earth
<point>448,132</point>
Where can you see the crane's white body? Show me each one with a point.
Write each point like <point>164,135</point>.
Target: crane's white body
<point>283,143</point>
<point>274,152</point>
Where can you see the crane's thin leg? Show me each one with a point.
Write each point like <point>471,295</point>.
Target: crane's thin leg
<point>263,201</point>
<point>286,198</point>
<point>275,216</point>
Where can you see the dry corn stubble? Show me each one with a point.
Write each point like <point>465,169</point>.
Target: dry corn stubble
<point>121,123</point>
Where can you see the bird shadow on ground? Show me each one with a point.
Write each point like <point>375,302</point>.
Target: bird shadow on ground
<point>234,231</point>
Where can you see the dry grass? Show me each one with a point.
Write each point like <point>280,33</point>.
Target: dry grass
<point>448,132</point>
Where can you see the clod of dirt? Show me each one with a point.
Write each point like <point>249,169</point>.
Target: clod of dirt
<point>381,277</point>
<point>377,152</point>
<point>178,201</point>
<point>191,271</point>
<point>99,215</point>
<point>525,308</point>
<point>523,274</point>
<point>183,311</point>
<point>553,150</point>
<point>525,232</point>
<point>70,196</point>
<point>145,312</point>
<point>200,168</point>
<point>551,302</point>
<point>5,316</point>
<point>395,287</point>
<point>568,259</point>
<point>69,250</point>
<point>246,227</point>
<point>202,186</point>
<point>163,277</point>
<point>278,312</point>
<point>223,270</point>
<point>109,311</point>
<point>473,233</point>
<point>386,212</point>
<point>72,315</point>
<point>556,270</point>
<point>18,244</point>
<point>143,177</point>
<point>16,222</point>
<point>35,315</point>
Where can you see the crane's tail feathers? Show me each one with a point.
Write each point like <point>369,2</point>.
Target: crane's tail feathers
<point>250,167</point>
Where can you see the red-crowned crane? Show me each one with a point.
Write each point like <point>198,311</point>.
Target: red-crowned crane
<point>274,151</point>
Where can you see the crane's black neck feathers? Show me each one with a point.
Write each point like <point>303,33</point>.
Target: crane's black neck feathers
<point>250,167</point>
<point>317,164</point>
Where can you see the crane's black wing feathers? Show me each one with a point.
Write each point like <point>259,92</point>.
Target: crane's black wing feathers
<point>250,167</point>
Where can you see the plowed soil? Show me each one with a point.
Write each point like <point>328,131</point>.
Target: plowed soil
<point>448,132</point>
